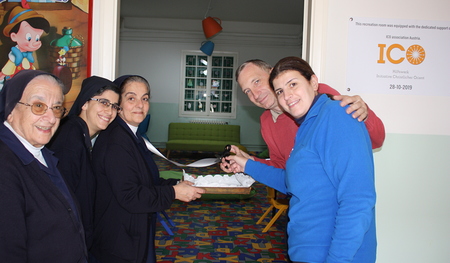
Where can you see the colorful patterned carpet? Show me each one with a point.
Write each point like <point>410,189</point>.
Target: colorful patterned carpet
<point>218,230</point>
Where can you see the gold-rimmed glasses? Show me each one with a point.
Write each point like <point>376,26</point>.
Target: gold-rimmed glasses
<point>40,108</point>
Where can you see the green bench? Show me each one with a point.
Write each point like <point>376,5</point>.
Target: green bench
<point>202,137</point>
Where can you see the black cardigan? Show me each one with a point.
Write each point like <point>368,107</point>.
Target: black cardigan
<point>129,192</point>
<point>37,223</point>
<point>72,146</point>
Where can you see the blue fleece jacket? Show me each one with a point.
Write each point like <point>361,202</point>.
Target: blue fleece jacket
<point>330,177</point>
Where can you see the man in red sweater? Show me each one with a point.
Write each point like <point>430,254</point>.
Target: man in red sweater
<point>278,129</point>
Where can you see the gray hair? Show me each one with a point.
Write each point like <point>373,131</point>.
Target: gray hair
<point>257,62</point>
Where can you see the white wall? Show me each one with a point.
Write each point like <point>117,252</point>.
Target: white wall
<point>105,38</point>
<point>412,168</point>
<point>152,48</point>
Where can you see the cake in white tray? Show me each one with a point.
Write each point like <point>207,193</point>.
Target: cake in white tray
<point>220,180</point>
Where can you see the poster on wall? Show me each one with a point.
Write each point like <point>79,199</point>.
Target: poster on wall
<point>49,35</point>
<point>391,56</point>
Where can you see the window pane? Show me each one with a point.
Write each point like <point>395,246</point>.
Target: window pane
<point>226,107</point>
<point>190,60</point>
<point>217,61</point>
<point>190,83</point>
<point>190,72</point>
<point>227,84</point>
<point>189,105</point>
<point>189,94</point>
<point>202,60</point>
<point>215,95</point>
<point>215,84</point>
<point>228,62</point>
<point>200,106</point>
<point>216,73</point>
<point>201,95</point>
<point>226,96</point>
<point>201,83</point>
<point>228,73</point>
<point>201,72</point>
<point>215,107</point>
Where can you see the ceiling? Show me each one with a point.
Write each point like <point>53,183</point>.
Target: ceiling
<point>259,11</point>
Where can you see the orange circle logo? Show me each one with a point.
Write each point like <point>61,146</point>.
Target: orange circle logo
<point>415,54</point>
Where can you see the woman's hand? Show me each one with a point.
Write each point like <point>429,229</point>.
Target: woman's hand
<point>229,166</point>
<point>184,191</point>
<point>237,163</point>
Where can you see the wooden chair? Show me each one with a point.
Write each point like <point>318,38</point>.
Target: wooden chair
<point>280,204</point>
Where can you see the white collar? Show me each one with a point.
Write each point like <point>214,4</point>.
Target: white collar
<point>132,128</point>
<point>275,115</point>
<point>35,151</point>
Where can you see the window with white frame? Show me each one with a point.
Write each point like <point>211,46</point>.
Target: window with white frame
<point>207,86</point>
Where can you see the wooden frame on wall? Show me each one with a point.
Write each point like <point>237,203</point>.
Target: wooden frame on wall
<point>66,46</point>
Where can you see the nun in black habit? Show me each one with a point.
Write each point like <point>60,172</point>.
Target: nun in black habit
<point>94,109</point>
<point>129,189</point>
<point>39,216</point>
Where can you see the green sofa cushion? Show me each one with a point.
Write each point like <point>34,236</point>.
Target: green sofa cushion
<point>200,131</point>
<point>198,145</point>
<point>202,137</point>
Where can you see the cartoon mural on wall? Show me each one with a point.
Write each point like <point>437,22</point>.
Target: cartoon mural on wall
<point>24,27</point>
<point>47,35</point>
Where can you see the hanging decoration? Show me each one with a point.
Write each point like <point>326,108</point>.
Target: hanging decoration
<point>211,27</point>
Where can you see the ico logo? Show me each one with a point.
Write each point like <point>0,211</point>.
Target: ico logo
<point>415,54</point>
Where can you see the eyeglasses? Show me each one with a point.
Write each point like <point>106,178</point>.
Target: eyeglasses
<point>40,108</point>
<point>106,104</point>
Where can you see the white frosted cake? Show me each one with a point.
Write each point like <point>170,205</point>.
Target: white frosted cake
<point>221,181</point>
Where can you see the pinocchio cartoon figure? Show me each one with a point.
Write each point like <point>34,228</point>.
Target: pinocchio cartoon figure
<point>24,27</point>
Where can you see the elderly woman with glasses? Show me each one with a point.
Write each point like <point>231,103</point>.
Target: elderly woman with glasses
<point>39,216</point>
<point>129,189</point>
<point>95,107</point>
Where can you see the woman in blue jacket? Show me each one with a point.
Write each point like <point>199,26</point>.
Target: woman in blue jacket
<point>329,174</point>
<point>129,189</point>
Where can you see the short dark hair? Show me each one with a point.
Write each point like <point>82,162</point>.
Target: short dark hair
<point>134,78</point>
<point>291,63</point>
